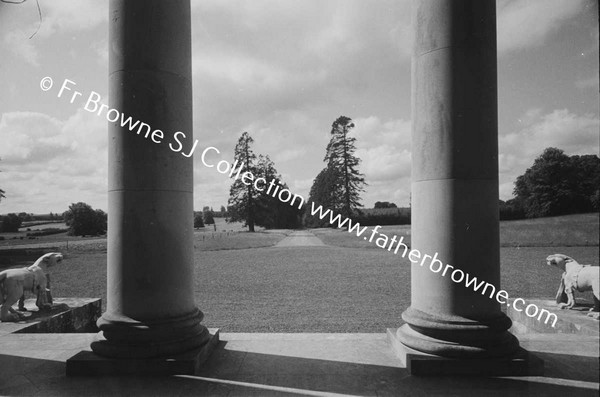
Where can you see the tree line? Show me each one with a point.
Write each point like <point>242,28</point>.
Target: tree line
<point>556,184</point>
<point>337,186</point>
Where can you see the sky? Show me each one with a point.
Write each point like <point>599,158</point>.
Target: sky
<point>284,70</point>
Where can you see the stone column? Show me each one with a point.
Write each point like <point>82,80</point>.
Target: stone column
<point>455,183</point>
<point>150,306</point>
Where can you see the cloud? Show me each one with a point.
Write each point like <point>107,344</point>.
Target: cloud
<point>524,24</point>
<point>589,83</point>
<point>284,70</point>
<point>576,134</point>
<point>20,21</point>
<point>30,138</point>
<point>255,58</point>
<point>563,129</point>
<point>65,16</point>
<point>17,43</point>
<point>48,163</point>
<point>384,150</point>
<point>101,49</point>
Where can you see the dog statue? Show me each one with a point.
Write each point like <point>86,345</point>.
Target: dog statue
<point>14,282</point>
<point>576,277</point>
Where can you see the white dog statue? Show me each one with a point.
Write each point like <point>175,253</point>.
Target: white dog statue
<point>576,277</point>
<point>14,282</point>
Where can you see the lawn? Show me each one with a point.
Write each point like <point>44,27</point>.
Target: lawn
<point>321,289</point>
<point>210,241</point>
<point>328,289</point>
<point>316,289</point>
<point>341,238</point>
<point>567,231</point>
<point>222,237</point>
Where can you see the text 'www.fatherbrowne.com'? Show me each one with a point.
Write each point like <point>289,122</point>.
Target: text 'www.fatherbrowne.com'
<point>435,265</point>
<point>94,104</point>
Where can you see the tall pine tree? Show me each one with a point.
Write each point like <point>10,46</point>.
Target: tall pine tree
<point>242,197</point>
<point>339,185</point>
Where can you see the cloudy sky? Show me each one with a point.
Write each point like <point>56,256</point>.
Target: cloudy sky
<point>284,70</point>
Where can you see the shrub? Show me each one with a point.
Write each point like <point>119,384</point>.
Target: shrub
<point>83,220</point>
<point>383,216</point>
<point>198,222</point>
<point>46,232</point>
<point>10,223</point>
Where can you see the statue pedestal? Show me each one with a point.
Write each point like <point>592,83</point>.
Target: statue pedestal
<point>66,316</point>
<point>568,321</point>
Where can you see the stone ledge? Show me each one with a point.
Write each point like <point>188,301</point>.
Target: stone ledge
<point>570,321</point>
<point>87,363</point>
<point>68,315</point>
<point>418,363</point>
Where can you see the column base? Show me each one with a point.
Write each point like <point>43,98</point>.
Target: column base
<point>124,337</point>
<point>87,363</point>
<point>454,336</point>
<point>520,363</point>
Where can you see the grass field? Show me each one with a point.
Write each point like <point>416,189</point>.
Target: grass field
<point>334,288</point>
<point>567,231</point>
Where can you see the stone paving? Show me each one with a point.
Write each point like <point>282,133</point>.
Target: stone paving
<point>255,364</point>
<point>301,238</point>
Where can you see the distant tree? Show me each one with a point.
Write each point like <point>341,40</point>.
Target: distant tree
<point>11,223</point>
<point>83,220</point>
<point>25,217</point>
<point>271,212</point>
<point>198,221</point>
<point>340,156</point>
<point>223,211</point>
<point>326,192</point>
<point>385,204</point>
<point>383,216</point>
<point>510,210</point>
<point>338,186</point>
<point>586,170</point>
<point>242,197</point>
<point>206,208</point>
<point>209,217</point>
<point>557,184</point>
